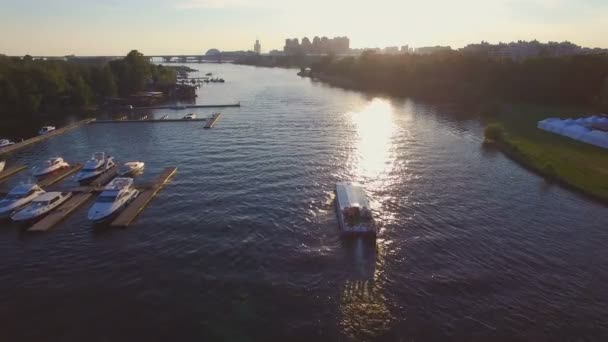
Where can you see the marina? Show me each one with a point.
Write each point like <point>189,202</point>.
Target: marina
<point>179,107</point>
<point>60,175</point>
<point>61,213</point>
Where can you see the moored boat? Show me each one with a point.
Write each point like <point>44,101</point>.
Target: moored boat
<point>130,168</point>
<point>353,209</point>
<point>113,199</point>
<point>40,206</point>
<point>190,116</point>
<point>6,142</point>
<point>49,166</point>
<point>94,167</point>
<point>46,129</point>
<point>18,197</point>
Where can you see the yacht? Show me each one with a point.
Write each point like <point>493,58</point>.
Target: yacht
<point>2,165</point>
<point>353,209</point>
<point>190,116</point>
<point>6,142</point>
<point>130,168</point>
<point>46,129</point>
<point>40,206</point>
<point>18,197</point>
<point>49,166</point>
<point>115,197</point>
<point>98,164</point>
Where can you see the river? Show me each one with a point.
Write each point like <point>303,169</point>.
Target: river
<point>243,243</point>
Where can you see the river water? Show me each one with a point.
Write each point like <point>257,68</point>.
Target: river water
<point>243,243</point>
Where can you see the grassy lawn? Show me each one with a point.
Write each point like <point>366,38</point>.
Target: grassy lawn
<point>578,165</point>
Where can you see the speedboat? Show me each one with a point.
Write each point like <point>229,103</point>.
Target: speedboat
<point>46,129</point>
<point>190,116</point>
<point>98,164</point>
<point>6,142</point>
<point>49,166</point>
<point>353,209</point>
<point>40,206</point>
<point>114,198</point>
<point>2,165</point>
<point>18,197</point>
<point>130,168</point>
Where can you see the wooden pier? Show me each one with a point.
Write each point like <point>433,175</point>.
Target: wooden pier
<point>52,179</point>
<point>8,172</point>
<point>178,107</point>
<point>39,138</point>
<point>149,120</point>
<point>126,217</point>
<point>61,213</point>
<point>104,178</point>
<point>212,120</point>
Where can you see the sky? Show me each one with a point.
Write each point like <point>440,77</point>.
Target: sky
<point>113,27</point>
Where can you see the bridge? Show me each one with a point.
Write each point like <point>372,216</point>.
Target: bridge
<point>221,57</point>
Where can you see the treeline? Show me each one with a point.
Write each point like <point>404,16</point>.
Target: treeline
<point>454,76</point>
<point>29,87</point>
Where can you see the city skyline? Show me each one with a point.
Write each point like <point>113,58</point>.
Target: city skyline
<point>192,26</point>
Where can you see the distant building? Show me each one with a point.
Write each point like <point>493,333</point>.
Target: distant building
<point>257,47</point>
<point>428,50</point>
<point>522,50</point>
<point>323,46</point>
<point>405,49</point>
<point>213,52</point>
<point>391,50</point>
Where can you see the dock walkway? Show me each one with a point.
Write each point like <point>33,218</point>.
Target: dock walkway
<point>149,120</point>
<point>60,214</point>
<point>126,217</point>
<point>9,172</point>
<point>178,107</point>
<point>212,120</point>
<point>39,138</point>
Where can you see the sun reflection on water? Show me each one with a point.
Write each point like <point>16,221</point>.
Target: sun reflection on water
<point>374,129</point>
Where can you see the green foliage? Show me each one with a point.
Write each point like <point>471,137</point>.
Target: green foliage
<point>29,86</point>
<point>453,76</point>
<point>493,132</point>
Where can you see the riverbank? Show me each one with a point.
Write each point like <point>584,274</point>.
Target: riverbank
<point>575,165</point>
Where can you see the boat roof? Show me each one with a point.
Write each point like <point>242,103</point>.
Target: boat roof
<point>118,184</point>
<point>23,189</point>
<point>351,195</point>
<point>47,196</point>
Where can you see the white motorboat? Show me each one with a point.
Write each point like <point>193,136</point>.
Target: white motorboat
<point>190,116</point>
<point>2,165</point>
<point>98,164</point>
<point>46,129</point>
<point>49,166</point>
<point>18,197</point>
<point>40,206</point>
<point>353,209</point>
<point>114,198</point>
<point>6,142</point>
<point>131,168</point>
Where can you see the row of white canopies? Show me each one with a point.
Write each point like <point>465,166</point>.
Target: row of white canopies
<point>581,129</point>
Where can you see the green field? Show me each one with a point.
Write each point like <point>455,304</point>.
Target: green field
<point>578,165</point>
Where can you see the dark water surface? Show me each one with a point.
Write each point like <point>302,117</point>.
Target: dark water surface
<point>243,244</point>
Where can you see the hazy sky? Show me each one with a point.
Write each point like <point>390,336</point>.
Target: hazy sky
<point>113,27</point>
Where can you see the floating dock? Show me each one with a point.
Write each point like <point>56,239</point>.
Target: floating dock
<point>104,178</point>
<point>39,138</point>
<point>8,172</point>
<point>126,217</point>
<point>149,120</point>
<point>61,214</point>
<point>52,179</point>
<point>178,107</point>
<point>212,120</point>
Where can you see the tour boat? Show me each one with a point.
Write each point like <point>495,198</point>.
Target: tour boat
<point>18,197</point>
<point>6,142</point>
<point>353,209</point>
<point>49,166</point>
<point>190,116</point>
<point>46,129</point>
<point>130,168</point>
<point>2,165</point>
<point>40,206</point>
<point>115,197</point>
<point>98,164</point>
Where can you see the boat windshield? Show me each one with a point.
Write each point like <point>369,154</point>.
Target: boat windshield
<point>39,204</point>
<point>106,198</point>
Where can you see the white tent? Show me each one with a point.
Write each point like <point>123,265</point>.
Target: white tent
<point>575,131</point>
<point>598,138</point>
